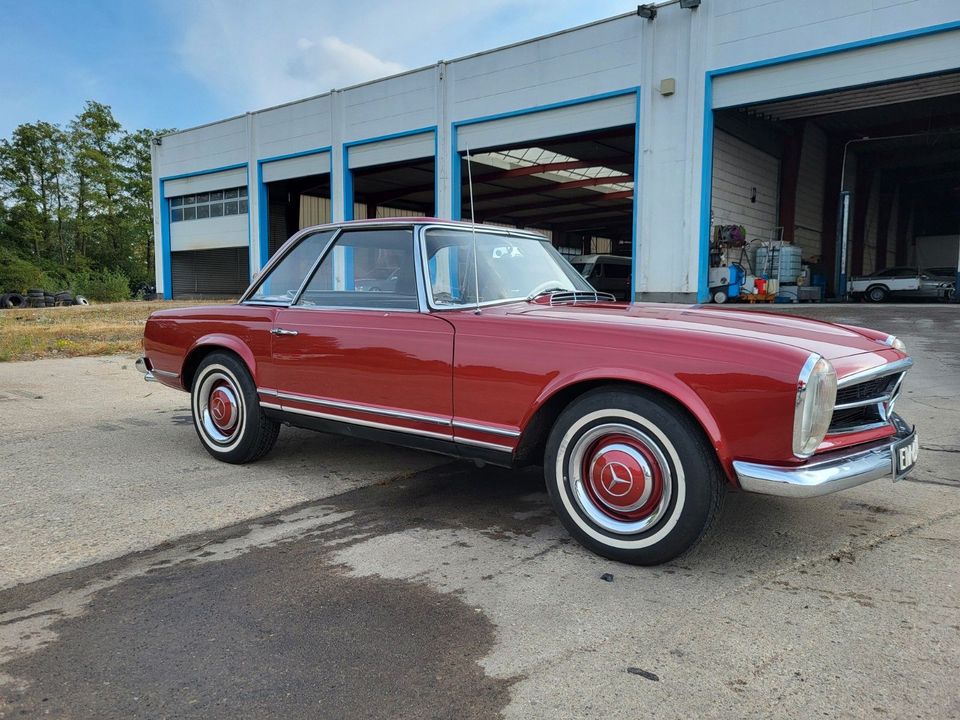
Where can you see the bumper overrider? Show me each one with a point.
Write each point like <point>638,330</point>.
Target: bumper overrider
<point>143,365</point>
<point>830,472</point>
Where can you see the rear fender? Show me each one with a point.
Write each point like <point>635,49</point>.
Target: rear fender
<point>210,342</point>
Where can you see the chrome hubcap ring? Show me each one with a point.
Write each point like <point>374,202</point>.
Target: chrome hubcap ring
<point>219,407</point>
<point>620,478</point>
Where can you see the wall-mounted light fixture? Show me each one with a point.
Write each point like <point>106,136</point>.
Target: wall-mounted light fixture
<point>690,4</point>
<point>647,11</point>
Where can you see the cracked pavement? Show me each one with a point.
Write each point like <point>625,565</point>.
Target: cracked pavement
<point>344,579</point>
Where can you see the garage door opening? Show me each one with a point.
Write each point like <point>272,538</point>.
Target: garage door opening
<point>576,189</point>
<point>401,189</point>
<point>864,181</point>
<point>294,204</point>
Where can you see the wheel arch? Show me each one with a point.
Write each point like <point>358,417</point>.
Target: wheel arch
<point>559,395</point>
<point>210,344</point>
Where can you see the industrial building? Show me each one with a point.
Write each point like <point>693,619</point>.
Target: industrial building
<point>832,126</point>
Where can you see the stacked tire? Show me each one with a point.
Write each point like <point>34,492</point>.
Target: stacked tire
<point>12,300</point>
<point>37,298</point>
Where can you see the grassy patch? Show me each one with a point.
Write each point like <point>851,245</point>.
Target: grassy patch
<point>103,329</point>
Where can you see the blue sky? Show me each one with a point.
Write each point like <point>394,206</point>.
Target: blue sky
<point>178,64</point>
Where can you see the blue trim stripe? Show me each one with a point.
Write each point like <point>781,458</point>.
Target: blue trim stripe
<point>165,245</point>
<point>456,180</point>
<point>167,273</point>
<point>635,246</point>
<point>706,182</point>
<point>348,174</point>
<point>263,210</point>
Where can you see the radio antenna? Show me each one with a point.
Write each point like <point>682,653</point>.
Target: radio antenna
<point>473,228</point>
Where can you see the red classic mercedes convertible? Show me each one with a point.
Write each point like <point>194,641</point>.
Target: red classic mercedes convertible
<point>487,345</point>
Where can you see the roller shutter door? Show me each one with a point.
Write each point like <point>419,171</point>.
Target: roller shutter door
<point>224,272</point>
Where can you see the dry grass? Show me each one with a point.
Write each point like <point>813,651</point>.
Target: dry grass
<point>103,329</point>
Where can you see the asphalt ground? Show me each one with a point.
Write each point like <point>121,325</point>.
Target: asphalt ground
<point>141,579</point>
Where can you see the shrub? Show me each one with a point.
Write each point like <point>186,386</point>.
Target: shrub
<point>18,274</point>
<point>103,285</point>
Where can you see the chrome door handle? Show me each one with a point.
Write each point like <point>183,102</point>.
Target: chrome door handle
<point>281,331</point>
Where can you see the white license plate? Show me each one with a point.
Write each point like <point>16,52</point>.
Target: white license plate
<point>905,456</point>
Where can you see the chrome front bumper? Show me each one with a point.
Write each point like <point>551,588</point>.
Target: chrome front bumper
<point>144,367</point>
<point>838,471</point>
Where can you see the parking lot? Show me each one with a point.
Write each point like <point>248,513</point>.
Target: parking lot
<point>335,578</point>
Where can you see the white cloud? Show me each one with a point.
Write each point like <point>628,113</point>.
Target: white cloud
<point>255,54</point>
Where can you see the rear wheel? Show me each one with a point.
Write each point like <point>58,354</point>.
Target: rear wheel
<point>631,476</point>
<point>877,294</point>
<point>227,413</point>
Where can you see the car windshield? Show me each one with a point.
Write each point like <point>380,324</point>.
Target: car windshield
<point>508,267</point>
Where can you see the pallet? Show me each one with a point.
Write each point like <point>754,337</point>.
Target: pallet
<point>756,298</point>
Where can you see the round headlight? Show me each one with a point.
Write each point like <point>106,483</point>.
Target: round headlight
<point>898,344</point>
<point>816,396</point>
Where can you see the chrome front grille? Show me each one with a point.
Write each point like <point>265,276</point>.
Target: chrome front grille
<point>865,400</point>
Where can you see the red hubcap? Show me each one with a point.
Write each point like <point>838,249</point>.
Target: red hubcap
<point>223,408</point>
<point>623,477</point>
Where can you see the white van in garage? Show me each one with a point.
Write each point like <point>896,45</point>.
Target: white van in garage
<point>607,273</point>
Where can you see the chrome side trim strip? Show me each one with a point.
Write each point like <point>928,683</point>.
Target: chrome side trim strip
<point>873,373</point>
<point>165,373</point>
<point>272,406</point>
<point>355,421</point>
<point>265,391</point>
<point>486,428</point>
<point>481,443</point>
<point>431,419</point>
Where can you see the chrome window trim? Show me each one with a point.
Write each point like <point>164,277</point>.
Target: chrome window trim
<point>293,242</point>
<point>876,372</point>
<point>485,428</point>
<point>329,247</point>
<point>467,228</point>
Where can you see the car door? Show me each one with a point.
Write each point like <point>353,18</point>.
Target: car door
<point>366,357</point>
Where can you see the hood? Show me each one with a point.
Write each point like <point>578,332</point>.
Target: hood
<point>826,339</point>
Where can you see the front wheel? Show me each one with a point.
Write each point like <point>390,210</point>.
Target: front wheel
<point>631,476</point>
<point>227,413</point>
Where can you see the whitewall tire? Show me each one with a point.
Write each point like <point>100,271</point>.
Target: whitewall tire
<point>226,411</point>
<point>632,476</point>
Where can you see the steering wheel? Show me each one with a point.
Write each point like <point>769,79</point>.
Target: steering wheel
<point>543,288</point>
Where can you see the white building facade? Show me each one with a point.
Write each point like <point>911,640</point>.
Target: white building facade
<point>732,113</point>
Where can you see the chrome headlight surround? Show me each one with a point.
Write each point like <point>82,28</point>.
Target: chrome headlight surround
<point>896,343</point>
<point>816,397</point>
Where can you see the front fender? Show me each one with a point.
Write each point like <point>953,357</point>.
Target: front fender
<point>669,385</point>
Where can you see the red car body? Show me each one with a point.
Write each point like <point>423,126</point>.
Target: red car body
<point>489,385</point>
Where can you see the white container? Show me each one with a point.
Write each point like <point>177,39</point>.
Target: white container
<point>780,263</point>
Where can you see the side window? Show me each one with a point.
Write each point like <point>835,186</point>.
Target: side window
<point>370,269</point>
<point>284,280</point>
<point>617,270</point>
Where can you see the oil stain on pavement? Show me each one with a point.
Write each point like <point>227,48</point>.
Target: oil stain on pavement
<point>253,622</point>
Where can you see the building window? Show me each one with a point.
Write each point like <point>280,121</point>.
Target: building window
<point>209,205</point>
